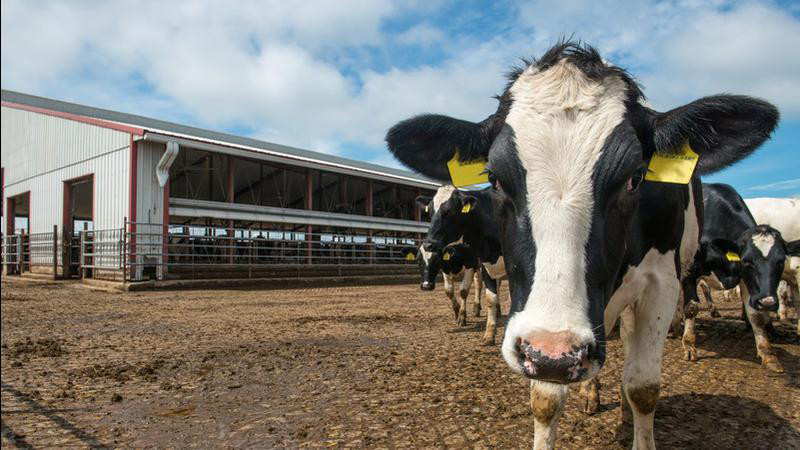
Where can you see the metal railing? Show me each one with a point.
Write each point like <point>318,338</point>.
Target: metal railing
<point>152,251</point>
<point>142,251</point>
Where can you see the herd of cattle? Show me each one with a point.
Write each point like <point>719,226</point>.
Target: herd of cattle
<point>596,213</point>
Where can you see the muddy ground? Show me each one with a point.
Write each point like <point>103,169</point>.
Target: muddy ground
<point>354,367</point>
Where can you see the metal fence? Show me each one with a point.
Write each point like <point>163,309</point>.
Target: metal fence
<point>142,251</point>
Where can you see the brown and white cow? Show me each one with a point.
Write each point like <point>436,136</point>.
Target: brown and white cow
<point>584,236</point>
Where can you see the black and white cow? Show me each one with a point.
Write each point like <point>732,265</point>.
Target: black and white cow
<point>584,237</point>
<point>458,264</point>
<point>734,250</point>
<point>783,214</point>
<point>468,217</point>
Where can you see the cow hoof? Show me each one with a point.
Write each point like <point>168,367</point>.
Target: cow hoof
<point>487,340</point>
<point>772,363</point>
<point>591,405</point>
<point>690,354</point>
<point>715,313</point>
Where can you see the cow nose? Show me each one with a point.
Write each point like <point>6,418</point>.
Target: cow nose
<point>426,286</point>
<point>766,304</point>
<point>559,357</point>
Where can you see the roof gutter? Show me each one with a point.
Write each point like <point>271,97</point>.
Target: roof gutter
<point>162,169</point>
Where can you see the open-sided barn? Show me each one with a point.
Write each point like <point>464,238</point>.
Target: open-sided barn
<point>104,194</point>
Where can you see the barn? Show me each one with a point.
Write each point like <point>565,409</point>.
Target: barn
<point>94,193</point>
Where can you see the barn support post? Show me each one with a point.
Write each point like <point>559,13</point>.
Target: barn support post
<point>81,269</point>
<point>370,243</point>
<point>309,206</point>
<point>20,255</point>
<point>66,252</point>
<point>230,196</point>
<point>165,231</point>
<point>55,252</point>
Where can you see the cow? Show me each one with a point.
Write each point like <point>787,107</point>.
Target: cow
<point>735,250</point>
<point>458,264</point>
<point>588,234</point>
<point>468,216</point>
<point>783,214</point>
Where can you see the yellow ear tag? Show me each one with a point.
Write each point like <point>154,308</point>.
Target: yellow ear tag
<point>731,256</point>
<point>466,208</point>
<point>410,257</point>
<point>673,168</point>
<point>446,256</point>
<point>467,173</point>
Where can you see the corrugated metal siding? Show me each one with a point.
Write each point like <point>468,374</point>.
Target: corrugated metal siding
<point>34,144</point>
<point>149,195</point>
<point>110,192</point>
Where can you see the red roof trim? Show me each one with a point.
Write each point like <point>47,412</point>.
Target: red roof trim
<point>77,118</point>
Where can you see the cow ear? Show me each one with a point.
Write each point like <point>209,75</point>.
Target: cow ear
<point>727,248</point>
<point>468,203</point>
<point>426,143</point>
<point>793,248</point>
<point>423,202</point>
<point>721,129</point>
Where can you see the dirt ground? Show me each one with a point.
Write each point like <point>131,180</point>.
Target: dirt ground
<point>353,367</point>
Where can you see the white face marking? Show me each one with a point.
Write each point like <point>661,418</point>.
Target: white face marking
<point>443,194</point>
<point>426,255</point>
<point>561,120</point>
<point>763,243</point>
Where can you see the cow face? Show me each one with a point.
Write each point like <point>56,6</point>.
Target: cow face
<point>763,254</point>
<point>449,211</point>
<point>430,262</point>
<point>722,258</point>
<point>567,150</point>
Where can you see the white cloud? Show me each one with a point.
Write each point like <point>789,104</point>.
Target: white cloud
<point>276,69</point>
<point>777,186</point>
<point>421,34</point>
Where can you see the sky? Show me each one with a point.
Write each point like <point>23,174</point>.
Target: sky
<point>333,76</point>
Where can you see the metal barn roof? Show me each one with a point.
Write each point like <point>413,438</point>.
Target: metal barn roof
<point>159,128</point>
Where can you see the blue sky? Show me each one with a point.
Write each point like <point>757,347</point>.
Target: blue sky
<point>335,75</point>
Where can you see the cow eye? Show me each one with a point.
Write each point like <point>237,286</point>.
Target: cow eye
<point>635,180</point>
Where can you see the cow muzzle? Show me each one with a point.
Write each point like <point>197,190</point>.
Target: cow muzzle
<point>764,304</point>
<point>558,357</point>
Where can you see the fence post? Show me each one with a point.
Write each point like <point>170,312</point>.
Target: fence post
<point>81,253</point>
<point>124,262</point>
<point>55,252</point>
<point>19,254</point>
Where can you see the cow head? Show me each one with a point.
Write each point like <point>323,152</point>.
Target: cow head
<point>567,151</point>
<point>762,251</point>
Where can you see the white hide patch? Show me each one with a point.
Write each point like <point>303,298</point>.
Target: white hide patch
<point>561,120</point>
<point>443,194</point>
<point>763,243</point>
<point>691,234</point>
<point>497,270</point>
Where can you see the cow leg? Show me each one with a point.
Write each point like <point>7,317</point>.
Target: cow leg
<point>547,404</point>
<point>448,289</point>
<point>590,393</point>
<point>712,308</point>
<point>689,339</point>
<point>476,302</point>
<point>758,321</point>
<point>642,375</point>
<point>492,305</point>
<point>626,327</point>
<point>463,292</point>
